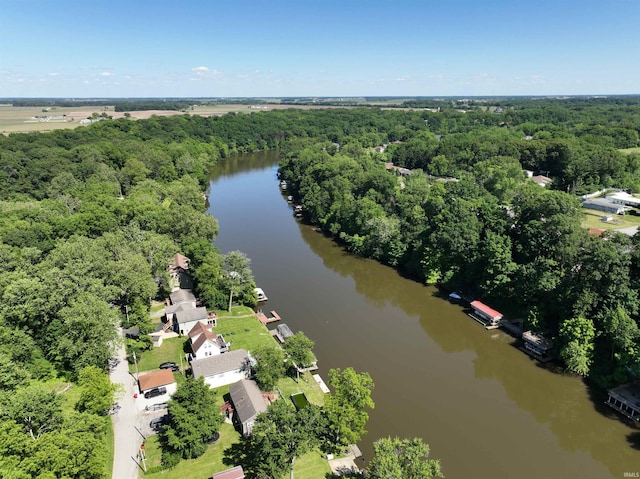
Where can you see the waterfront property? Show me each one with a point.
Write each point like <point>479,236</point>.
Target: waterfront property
<point>204,342</point>
<point>247,403</point>
<point>223,369</point>
<point>626,400</point>
<point>266,320</point>
<point>537,346</point>
<point>485,315</point>
<point>299,400</point>
<point>282,332</point>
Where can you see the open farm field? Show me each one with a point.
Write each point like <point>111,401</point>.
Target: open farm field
<point>25,119</point>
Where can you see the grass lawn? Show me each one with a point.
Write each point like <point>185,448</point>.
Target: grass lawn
<point>628,151</point>
<point>171,350</point>
<point>310,466</point>
<point>306,384</point>
<point>243,330</point>
<point>593,219</point>
<point>204,466</point>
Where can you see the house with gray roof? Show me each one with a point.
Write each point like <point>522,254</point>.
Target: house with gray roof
<point>605,205</point>
<point>247,404</point>
<point>223,369</point>
<point>186,319</point>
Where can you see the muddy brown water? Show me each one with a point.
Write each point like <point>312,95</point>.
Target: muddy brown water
<point>485,408</point>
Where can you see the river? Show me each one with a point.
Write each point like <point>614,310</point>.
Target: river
<point>485,408</point>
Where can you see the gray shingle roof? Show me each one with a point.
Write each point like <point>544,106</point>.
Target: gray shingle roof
<point>222,363</point>
<point>182,296</point>
<point>189,315</point>
<point>247,399</point>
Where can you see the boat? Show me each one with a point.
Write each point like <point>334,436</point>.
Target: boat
<point>455,297</point>
<point>261,296</point>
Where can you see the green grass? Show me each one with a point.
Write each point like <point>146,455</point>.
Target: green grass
<point>305,384</point>
<point>244,332</point>
<point>312,466</point>
<point>204,466</point>
<point>593,219</point>
<point>628,151</point>
<point>171,350</point>
<point>109,450</point>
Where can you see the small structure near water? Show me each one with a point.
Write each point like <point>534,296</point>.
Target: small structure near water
<point>537,346</point>
<point>485,315</point>
<point>626,400</point>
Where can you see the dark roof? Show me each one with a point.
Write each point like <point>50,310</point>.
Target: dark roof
<point>178,307</point>
<point>208,335</point>
<point>219,364</point>
<point>247,399</point>
<point>191,314</point>
<point>284,331</point>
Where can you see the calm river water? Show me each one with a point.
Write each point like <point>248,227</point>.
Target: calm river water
<point>485,408</point>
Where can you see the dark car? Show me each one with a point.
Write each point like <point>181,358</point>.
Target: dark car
<point>169,365</point>
<point>155,392</point>
<point>158,423</point>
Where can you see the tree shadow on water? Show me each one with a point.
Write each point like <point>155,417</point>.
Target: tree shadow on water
<point>633,439</point>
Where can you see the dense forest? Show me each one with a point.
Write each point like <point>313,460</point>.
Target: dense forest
<point>91,216</point>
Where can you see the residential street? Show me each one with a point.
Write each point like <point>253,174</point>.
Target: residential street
<point>127,439</point>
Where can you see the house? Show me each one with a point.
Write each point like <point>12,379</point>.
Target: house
<point>247,403</point>
<point>488,316</point>
<point>541,180</point>
<point>623,198</point>
<point>156,387</point>
<point>626,400</point>
<point>186,319</point>
<point>233,473</point>
<point>223,369</point>
<point>204,342</point>
<point>605,205</point>
<point>528,173</point>
<point>178,265</point>
<point>181,299</point>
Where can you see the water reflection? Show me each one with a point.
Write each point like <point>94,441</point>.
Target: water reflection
<point>485,408</point>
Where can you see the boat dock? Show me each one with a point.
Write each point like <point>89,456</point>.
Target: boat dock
<point>266,320</point>
<point>512,328</point>
<point>323,386</point>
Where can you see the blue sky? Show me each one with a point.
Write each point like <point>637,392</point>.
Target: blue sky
<point>271,48</point>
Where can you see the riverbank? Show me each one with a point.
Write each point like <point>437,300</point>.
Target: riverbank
<point>438,374</point>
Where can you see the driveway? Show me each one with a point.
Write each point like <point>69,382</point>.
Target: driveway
<point>126,422</point>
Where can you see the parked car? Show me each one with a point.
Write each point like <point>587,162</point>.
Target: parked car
<point>157,407</point>
<point>155,392</point>
<point>158,423</point>
<point>169,365</point>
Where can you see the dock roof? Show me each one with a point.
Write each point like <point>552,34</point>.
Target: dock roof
<point>483,308</point>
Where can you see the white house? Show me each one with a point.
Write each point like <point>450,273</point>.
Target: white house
<point>181,299</point>
<point>605,205</point>
<point>623,198</point>
<point>186,319</point>
<point>223,369</point>
<point>155,387</point>
<point>204,342</point>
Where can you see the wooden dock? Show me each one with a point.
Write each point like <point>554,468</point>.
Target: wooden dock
<point>266,320</point>
<point>321,383</point>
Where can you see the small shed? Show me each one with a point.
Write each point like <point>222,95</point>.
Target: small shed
<point>233,473</point>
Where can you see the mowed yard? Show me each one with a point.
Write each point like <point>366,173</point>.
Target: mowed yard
<point>593,219</point>
<point>244,331</point>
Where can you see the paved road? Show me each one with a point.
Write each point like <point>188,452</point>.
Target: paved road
<point>125,421</point>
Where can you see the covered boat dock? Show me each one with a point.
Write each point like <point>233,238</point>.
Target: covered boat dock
<point>485,315</point>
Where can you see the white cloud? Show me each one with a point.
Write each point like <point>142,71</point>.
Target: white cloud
<point>200,69</point>
<point>106,74</point>
<point>53,74</point>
